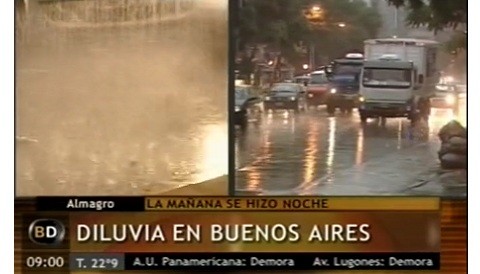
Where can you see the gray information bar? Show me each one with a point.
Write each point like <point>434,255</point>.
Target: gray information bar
<point>96,261</point>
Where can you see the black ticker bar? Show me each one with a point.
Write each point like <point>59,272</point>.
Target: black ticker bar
<point>93,203</point>
<point>282,261</point>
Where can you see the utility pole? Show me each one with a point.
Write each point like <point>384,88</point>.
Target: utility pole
<point>312,56</point>
<point>396,21</point>
<point>237,31</point>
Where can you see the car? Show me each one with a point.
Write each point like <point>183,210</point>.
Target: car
<point>317,89</point>
<point>290,96</point>
<point>446,96</point>
<point>248,105</point>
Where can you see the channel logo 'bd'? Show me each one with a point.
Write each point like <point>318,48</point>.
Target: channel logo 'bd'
<point>46,232</point>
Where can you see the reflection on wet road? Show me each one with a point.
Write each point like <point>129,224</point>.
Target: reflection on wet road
<point>314,154</point>
<point>121,111</point>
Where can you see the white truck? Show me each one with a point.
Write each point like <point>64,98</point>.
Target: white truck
<point>397,79</point>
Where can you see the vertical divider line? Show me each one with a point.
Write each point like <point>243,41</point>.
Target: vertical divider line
<point>232,18</point>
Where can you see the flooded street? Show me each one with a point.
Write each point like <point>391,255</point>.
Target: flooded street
<point>314,154</point>
<point>122,110</point>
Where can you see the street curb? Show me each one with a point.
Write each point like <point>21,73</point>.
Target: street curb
<point>214,187</point>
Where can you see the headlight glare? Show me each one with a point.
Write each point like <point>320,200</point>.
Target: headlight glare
<point>450,99</point>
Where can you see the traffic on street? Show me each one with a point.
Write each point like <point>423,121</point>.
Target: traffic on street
<point>351,106</point>
<point>314,153</point>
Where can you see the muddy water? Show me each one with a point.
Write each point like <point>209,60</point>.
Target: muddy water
<point>121,110</point>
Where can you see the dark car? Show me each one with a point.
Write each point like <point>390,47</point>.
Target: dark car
<point>286,96</point>
<point>248,105</point>
<point>317,88</point>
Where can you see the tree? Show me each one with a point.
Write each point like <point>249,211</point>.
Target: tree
<point>275,22</point>
<point>361,23</point>
<point>282,24</point>
<point>438,15</point>
<point>435,14</point>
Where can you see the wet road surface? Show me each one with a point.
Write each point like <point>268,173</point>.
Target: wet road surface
<point>314,154</point>
<point>121,111</point>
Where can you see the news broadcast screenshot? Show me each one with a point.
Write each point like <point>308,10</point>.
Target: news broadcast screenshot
<point>240,136</point>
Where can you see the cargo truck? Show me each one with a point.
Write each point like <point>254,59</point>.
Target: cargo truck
<point>397,79</point>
